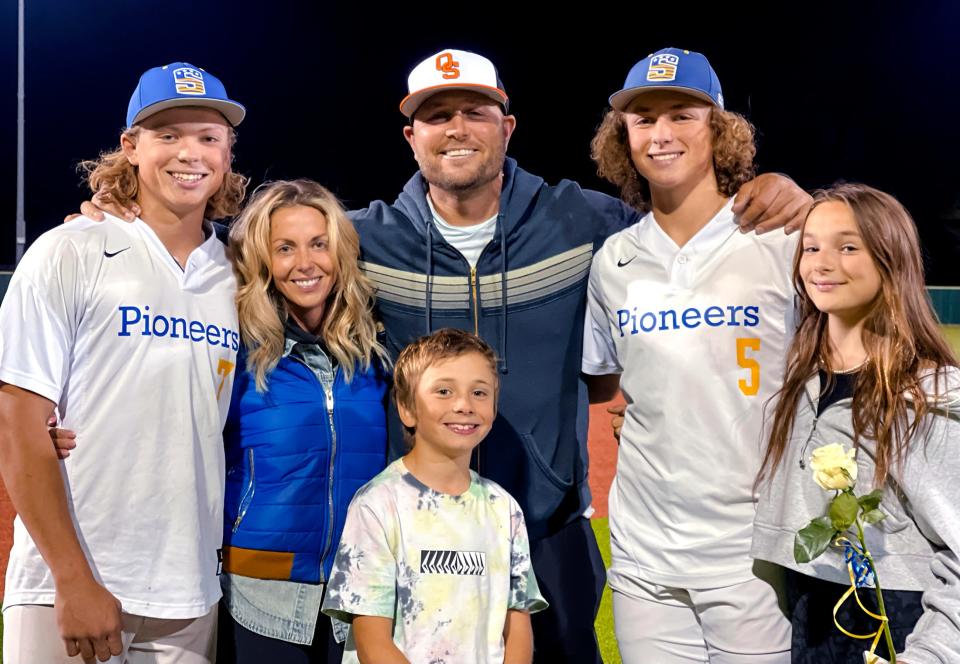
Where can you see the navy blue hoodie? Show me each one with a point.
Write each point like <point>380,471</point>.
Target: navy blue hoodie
<point>544,243</point>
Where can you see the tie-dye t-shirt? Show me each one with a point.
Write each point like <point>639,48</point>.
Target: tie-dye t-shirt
<point>445,568</point>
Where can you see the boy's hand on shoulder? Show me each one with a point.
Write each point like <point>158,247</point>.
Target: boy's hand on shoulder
<point>88,617</point>
<point>771,201</point>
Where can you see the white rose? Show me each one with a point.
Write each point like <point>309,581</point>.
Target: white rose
<point>834,467</point>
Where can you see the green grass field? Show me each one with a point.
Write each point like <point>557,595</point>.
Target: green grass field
<point>952,333</point>
<point>604,624</point>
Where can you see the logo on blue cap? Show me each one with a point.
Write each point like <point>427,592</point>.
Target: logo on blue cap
<point>188,81</point>
<point>670,69</point>
<point>180,84</point>
<point>663,67</point>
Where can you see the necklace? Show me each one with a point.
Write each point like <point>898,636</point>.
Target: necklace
<point>824,366</point>
<point>851,369</point>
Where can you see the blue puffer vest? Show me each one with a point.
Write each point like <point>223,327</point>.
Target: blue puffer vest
<point>283,515</point>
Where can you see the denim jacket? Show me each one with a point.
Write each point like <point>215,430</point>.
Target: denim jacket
<point>284,610</point>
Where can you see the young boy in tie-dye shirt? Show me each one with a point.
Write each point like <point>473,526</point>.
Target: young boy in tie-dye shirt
<point>434,562</point>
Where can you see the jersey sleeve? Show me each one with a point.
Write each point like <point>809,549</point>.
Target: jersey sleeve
<point>39,317</point>
<point>599,352</point>
<point>524,591</point>
<point>789,244</point>
<point>363,581</point>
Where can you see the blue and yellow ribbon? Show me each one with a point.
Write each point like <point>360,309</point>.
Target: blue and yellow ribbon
<point>861,576</point>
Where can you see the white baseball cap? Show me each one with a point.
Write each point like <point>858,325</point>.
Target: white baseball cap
<point>451,69</point>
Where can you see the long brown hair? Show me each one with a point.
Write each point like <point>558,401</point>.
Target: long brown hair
<point>734,148</point>
<point>900,334</point>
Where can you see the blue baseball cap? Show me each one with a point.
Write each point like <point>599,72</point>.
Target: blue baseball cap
<point>671,69</point>
<point>180,84</point>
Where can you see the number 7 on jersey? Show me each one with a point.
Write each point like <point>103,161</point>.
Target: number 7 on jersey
<point>224,367</point>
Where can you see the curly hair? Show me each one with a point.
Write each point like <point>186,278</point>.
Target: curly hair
<point>734,148</point>
<point>348,328</point>
<point>114,175</point>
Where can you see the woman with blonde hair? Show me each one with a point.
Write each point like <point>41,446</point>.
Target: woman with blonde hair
<point>306,426</point>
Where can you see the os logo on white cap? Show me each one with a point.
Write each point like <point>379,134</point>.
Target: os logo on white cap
<point>188,81</point>
<point>448,67</point>
<point>663,67</point>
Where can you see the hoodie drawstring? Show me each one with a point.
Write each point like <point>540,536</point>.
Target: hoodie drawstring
<point>502,355</point>
<point>501,223</point>
<point>429,274</point>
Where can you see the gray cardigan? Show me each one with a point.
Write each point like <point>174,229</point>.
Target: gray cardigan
<point>915,547</point>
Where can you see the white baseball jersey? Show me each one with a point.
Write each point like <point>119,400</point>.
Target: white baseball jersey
<point>700,335</point>
<point>138,354</point>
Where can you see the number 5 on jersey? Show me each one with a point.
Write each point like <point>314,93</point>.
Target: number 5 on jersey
<point>750,387</point>
<point>224,367</point>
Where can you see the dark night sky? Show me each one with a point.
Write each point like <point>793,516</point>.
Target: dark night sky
<point>864,94</point>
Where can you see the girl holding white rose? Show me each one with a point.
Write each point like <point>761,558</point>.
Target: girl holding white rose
<point>872,386</point>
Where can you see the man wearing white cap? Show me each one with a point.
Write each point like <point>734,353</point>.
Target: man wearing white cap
<point>129,332</point>
<point>692,320</point>
<point>477,243</point>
